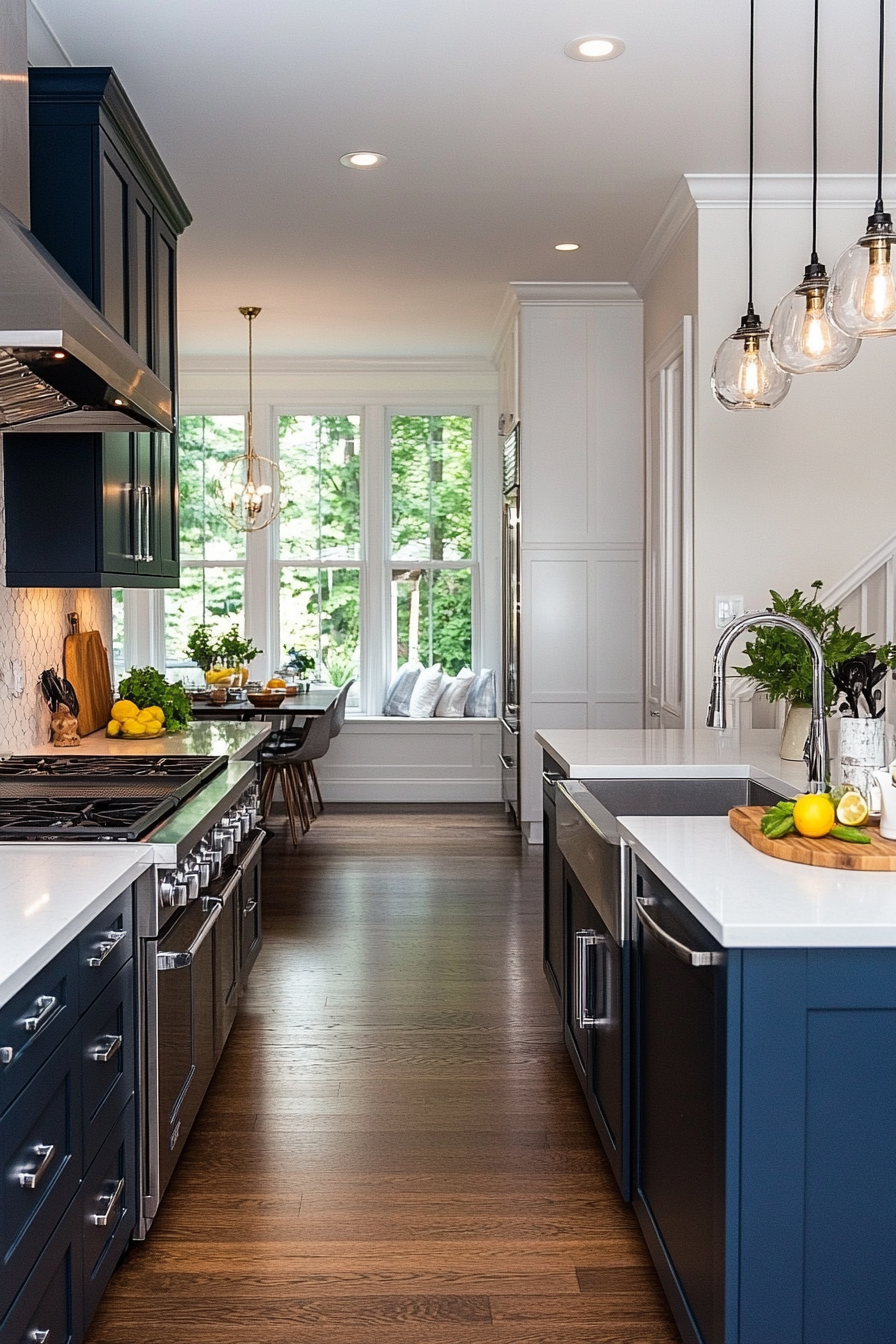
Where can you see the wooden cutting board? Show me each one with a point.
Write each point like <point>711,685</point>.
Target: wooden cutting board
<point>879,856</point>
<point>87,668</point>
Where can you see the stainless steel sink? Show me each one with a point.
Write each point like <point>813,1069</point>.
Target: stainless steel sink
<point>589,839</point>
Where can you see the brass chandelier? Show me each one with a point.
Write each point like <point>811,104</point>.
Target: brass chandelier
<point>251,487</point>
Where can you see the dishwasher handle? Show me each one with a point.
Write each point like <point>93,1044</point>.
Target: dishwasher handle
<point>175,961</point>
<point>680,950</point>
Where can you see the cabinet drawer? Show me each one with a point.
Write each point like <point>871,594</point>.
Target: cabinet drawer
<point>108,1208</point>
<point>107,1055</point>
<point>50,1300</point>
<point>104,947</point>
<point>250,914</point>
<point>34,1021</point>
<point>40,1151</point>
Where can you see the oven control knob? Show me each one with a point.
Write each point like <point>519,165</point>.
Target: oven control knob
<point>203,863</point>
<point>243,819</point>
<point>190,878</point>
<point>213,856</point>
<point>222,839</point>
<point>181,887</point>
<point>166,889</point>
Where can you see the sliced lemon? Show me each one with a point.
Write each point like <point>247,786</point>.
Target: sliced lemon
<point>852,809</point>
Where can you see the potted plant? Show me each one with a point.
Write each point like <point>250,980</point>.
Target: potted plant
<point>299,663</point>
<point>236,652</point>
<point>202,648</point>
<point>780,665</point>
<point>226,655</point>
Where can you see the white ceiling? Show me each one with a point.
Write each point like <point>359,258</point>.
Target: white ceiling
<point>499,145</point>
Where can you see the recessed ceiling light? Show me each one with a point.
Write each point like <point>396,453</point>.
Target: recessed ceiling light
<point>362,158</point>
<point>566,247</point>
<point>594,48</point>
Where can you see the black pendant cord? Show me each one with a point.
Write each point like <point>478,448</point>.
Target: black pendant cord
<point>750,200</point>
<point>879,207</point>
<point>815,140</point>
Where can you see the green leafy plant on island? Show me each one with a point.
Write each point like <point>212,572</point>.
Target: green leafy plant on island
<point>146,686</point>
<point>779,660</point>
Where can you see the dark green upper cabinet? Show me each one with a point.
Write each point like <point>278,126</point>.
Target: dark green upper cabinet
<point>105,206</point>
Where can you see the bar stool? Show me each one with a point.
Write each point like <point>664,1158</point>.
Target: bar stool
<point>335,729</point>
<point>288,763</point>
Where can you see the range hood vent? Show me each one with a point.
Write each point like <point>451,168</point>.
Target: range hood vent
<point>62,366</point>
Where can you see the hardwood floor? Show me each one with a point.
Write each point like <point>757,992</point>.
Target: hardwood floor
<point>394,1147</point>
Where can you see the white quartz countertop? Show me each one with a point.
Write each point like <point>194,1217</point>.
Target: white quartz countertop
<point>210,738</point>
<point>49,893</point>
<point>630,753</point>
<point>747,899</point>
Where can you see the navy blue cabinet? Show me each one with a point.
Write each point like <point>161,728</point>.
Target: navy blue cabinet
<point>552,930</point>
<point>765,1132</point>
<point>104,205</point>
<point>68,1147</point>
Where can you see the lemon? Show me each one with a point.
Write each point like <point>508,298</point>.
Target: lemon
<point>275,683</point>
<point>132,728</point>
<point>124,709</point>
<point>852,809</point>
<point>153,728</point>
<point>159,713</point>
<point>113,728</point>
<point>146,716</point>
<point>813,814</point>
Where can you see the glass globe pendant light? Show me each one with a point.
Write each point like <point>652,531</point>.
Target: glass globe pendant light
<point>803,339</point>
<point>249,490</point>
<point>745,377</point>
<point>861,297</point>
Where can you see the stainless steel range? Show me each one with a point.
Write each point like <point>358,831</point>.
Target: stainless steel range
<point>198,910</point>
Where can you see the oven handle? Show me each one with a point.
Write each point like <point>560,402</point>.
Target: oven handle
<point>221,899</point>
<point>175,961</point>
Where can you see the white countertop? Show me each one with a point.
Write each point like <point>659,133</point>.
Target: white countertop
<point>49,893</point>
<point>747,899</point>
<point>630,753</point>
<point>211,738</point>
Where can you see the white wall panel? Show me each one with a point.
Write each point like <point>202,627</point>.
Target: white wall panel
<point>554,418</point>
<point>615,622</point>
<point>615,425</point>
<point>557,616</point>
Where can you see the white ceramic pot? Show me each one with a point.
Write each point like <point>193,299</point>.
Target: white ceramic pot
<point>862,752</point>
<point>796,730</point>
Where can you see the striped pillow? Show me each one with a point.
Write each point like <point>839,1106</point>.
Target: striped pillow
<point>482,699</point>
<point>398,696</point>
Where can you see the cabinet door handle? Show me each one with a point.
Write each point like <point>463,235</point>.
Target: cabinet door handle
<point>38,1336</point>
<point>46,1006</point>
<point>249,908</point>
<point>679,950</point>
<point>112,1201</point>
<point>107,946</point>
<point>507,762</point>
<point>6,1054</point>
<point>586,938</point>
<point>103,1051</point>
<point>133,508</point>
<point>551,778</point>
<point>175,961</point>
<point>146,542</point>
<point>46,1152</point>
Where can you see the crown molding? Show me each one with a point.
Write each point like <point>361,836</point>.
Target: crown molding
<point>574,291</point>
<point>503,323</point>
<point>301,364</point>
<point>680,209</point>
<point>783,190</point>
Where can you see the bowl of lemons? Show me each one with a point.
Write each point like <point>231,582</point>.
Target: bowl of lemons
<point>132,724</point>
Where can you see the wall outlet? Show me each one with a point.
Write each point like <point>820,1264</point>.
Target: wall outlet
<point>727,607</point>
<point>17,677</point>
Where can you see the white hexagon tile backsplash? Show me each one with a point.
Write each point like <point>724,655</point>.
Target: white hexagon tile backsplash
<point>33,627</point>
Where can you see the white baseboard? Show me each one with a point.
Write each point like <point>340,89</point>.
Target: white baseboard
<point>534,832</point>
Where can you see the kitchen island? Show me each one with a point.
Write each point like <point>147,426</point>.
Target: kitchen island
<point>748,1011</point>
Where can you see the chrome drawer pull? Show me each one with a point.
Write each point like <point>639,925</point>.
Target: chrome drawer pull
<point>507,762</point>
<point>46,1152</point>
<point>107,947</point>
<point>6,1054</point>
<point>586,938</point>
<point>249,908</point>
<point>39,1336</point>
<point>679,950</point>
<point>45,1006</point>
<point>102,1053</point>
<point>175,961</point>
<point>105,1218</point>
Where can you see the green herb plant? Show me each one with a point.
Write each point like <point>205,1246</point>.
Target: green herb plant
<point>145,686</point>
<point>202,648</point>
<point>299,661</point>
<point>235,651</point>
<point>779,661</point>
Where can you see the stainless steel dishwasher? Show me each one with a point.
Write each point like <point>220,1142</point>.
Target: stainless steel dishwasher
<point>597,929</point>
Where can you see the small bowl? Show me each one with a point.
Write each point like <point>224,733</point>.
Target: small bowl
<point>266,699</point>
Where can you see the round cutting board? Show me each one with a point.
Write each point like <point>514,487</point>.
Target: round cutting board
<point>879,856</point>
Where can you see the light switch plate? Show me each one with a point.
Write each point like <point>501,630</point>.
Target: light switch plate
<point>18,677</point>
<point>727,607</point>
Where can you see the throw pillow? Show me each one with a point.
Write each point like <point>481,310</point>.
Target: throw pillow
<point>398,696</point>
<point>426,692</point>
<point>454,695</point>
<point>482,700</point>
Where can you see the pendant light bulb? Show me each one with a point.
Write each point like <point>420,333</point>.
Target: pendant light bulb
<point>250,490</point>
<point>745,376</point>
<point>803,338</point>
<point>861,299</point>
<point>751,380</point>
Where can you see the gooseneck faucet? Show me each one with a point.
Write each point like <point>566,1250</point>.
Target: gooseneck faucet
<point>817,753</point>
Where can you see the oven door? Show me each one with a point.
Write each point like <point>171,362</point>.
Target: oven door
<point>180,985</point>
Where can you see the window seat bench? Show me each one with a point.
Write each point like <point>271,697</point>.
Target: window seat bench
<point>381,759</point>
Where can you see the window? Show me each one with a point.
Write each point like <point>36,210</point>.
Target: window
<point>432,540</point>
<point>319,556</point>
<point>213,553</point>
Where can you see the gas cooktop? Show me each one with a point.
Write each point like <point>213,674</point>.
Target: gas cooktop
<point>106,776</point>
<point>71,818</point>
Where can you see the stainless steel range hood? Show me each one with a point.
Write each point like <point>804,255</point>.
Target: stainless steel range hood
<point>62,366</point>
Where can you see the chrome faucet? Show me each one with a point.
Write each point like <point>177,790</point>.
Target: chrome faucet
<point>817,752</point>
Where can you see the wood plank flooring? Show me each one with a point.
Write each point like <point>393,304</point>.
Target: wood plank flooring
<point>394,1147</point>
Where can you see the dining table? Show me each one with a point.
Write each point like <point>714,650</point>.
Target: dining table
<point>301,705</point>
